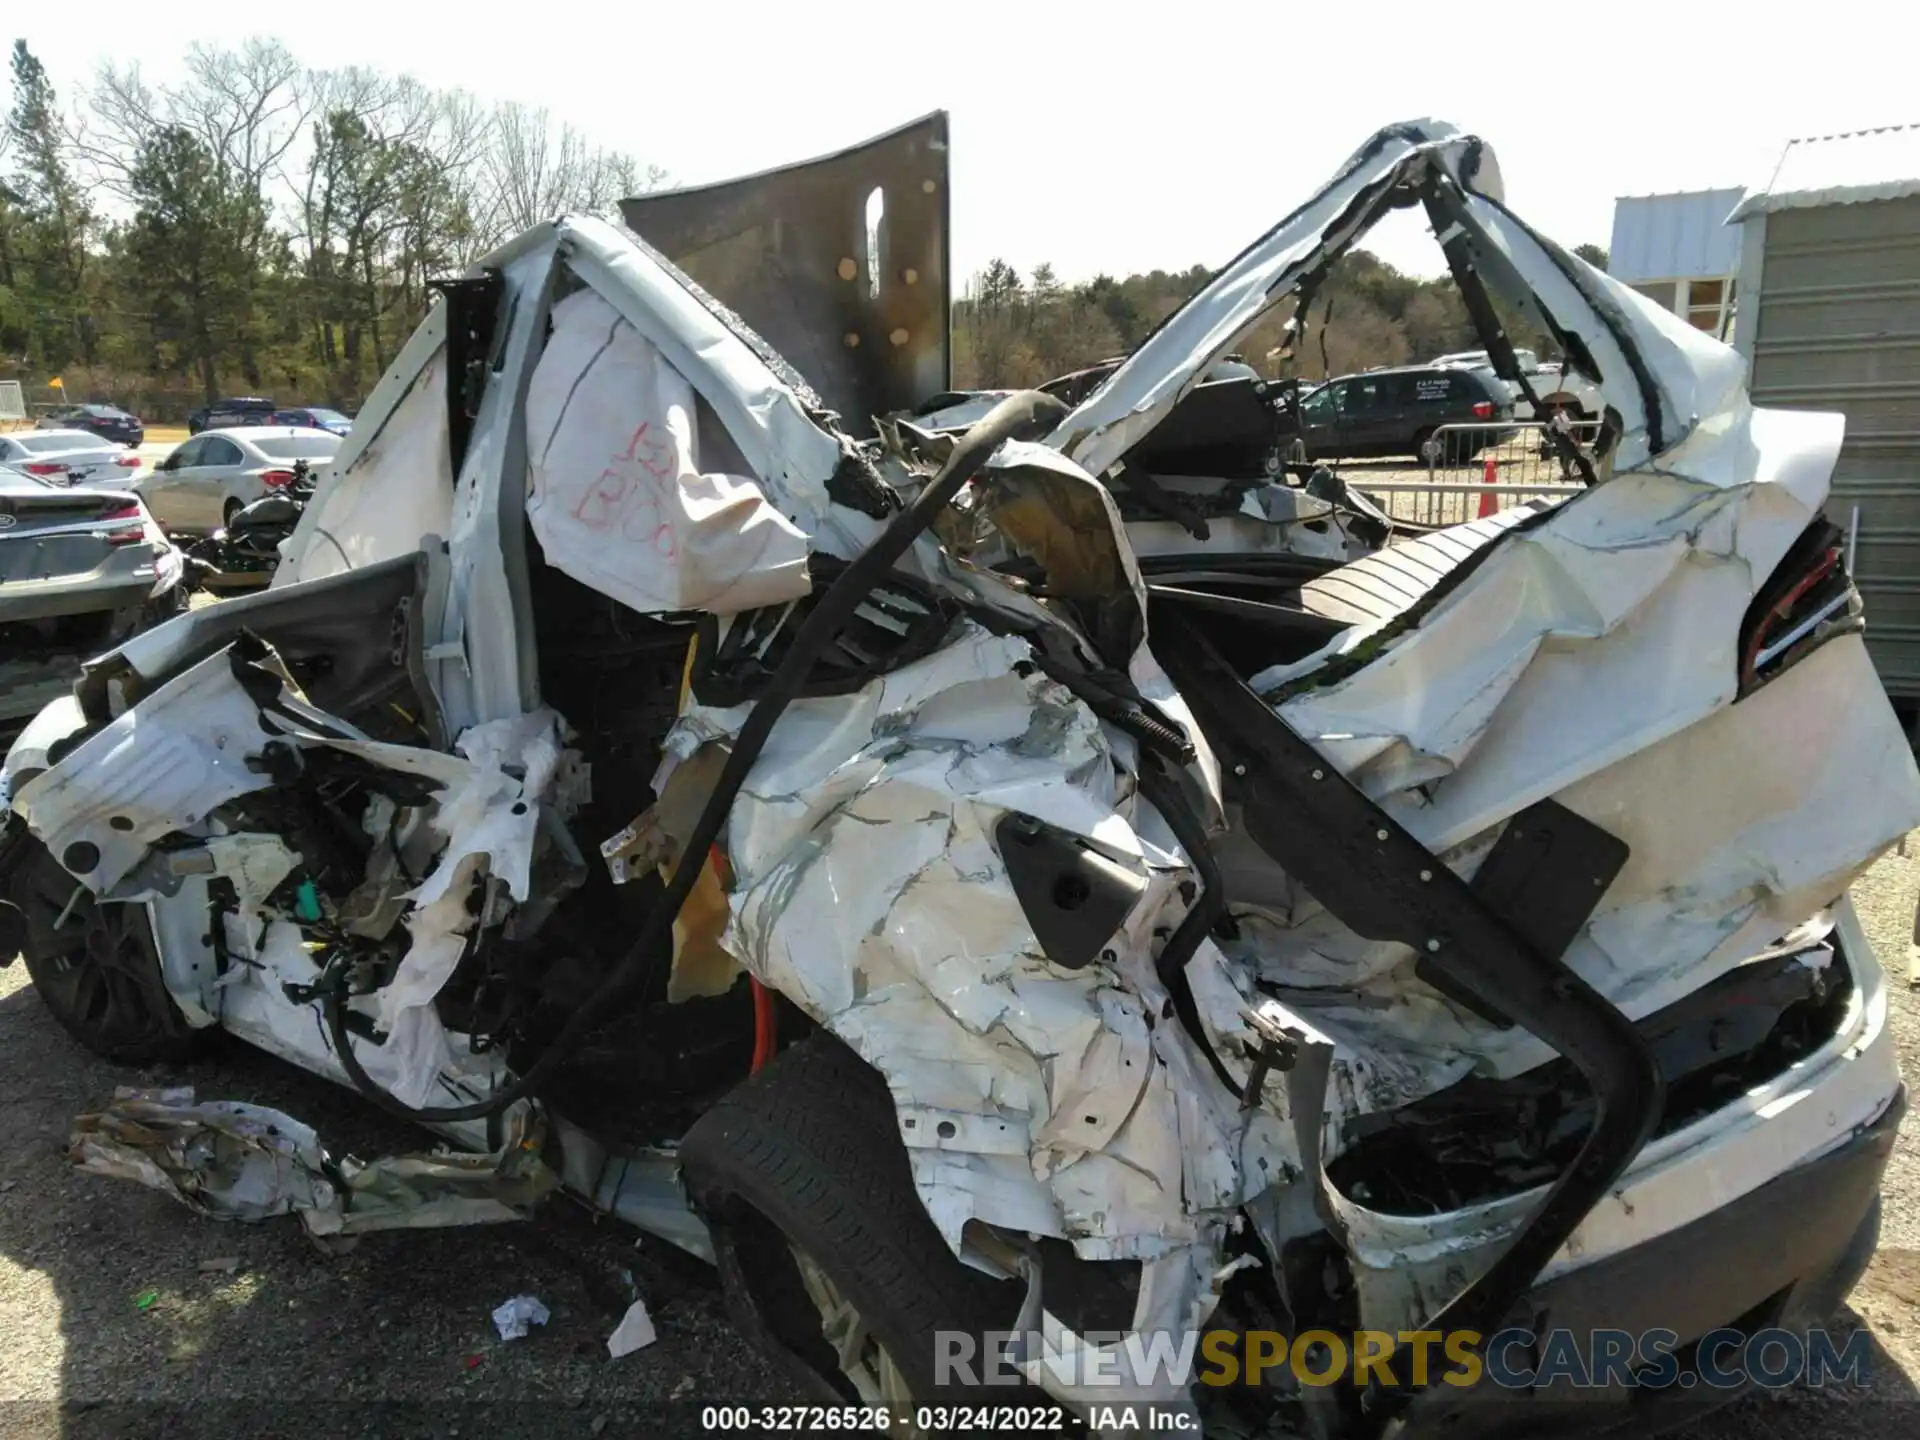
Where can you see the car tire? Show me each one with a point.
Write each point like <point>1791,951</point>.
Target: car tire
<point>95,965</point>
<point>232,508</point>
<point>803,1178</point>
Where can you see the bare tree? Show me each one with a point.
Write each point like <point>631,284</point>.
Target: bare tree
<point>535,170</point>
<point>329,200</point>
<point>122,114</point>
<point>246,106</point>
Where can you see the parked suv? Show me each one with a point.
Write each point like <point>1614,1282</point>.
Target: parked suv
<point>1395,412</point>
<point>225,414</point>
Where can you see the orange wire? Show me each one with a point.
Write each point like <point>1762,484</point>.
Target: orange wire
<point>766,1020</point>
<point>765,1025</point>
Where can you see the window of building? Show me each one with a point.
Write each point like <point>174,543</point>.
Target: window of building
<point>1708,305</point>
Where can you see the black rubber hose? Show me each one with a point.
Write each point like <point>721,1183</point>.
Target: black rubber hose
<point>1025,415</point>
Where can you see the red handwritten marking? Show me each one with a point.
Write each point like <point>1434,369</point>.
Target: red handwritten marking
<point>659,460</point>
<point>633,501</point>
<point>601,502</point>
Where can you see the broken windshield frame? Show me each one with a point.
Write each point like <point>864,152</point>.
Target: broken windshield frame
<point>1600,336</point>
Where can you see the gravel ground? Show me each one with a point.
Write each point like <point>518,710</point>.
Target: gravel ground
<point>394,1338</point>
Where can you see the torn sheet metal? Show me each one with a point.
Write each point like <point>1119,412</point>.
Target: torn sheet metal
<point>233,1161</point>
<point>869,891</point>
<point>1599,597</point>
<point>485,820</point>
<point>157,769</point>
<point>391,485</point>
<point>176,757</point>
<point>1742,820</point>
<point>1657,373</point>
<point>617,496</point>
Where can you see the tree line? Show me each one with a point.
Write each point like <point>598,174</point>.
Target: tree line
<point>257,225</point>
<point>1012,331</point>
<point>261,226</point>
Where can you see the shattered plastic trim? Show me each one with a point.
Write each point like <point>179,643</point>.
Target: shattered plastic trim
<point>232,1161</point>
<point>1407,1267</point>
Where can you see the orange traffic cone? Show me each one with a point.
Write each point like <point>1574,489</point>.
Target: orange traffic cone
<point>1491,476</point>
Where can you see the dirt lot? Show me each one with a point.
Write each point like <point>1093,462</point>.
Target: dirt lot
<point>394,1339</point>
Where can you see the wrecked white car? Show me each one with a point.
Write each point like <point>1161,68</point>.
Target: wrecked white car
<point>874,876</point>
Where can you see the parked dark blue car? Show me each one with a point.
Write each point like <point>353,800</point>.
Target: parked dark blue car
<point>109,422</point>
<point>225,414</point>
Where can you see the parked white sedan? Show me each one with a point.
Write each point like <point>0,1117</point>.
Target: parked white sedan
<point>202,485</point>
<point>69,457</point>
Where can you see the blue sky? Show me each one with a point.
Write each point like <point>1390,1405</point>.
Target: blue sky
<point>1122,136</point>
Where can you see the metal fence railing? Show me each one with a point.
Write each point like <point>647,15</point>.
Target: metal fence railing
<point>1466,471</point>
<point>1415,502</point>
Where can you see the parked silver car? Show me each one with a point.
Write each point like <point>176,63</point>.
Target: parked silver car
<point>81,568</point>
<point>68,457</point>
<point>201,486</point>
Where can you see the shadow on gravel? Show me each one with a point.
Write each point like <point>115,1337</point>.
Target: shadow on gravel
<point>126,1315</point>
<point>1883,1406</point>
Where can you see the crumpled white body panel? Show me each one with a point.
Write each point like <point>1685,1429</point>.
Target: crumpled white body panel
<point>158,768</point>
<point>483,820</point>
<point>868,889</point>
<point>1740,827</point>
<point>165,765</point>
<point>1634,590</point>
<point>391,484</point>
<point>617,497</point>
<point>1591,658</point>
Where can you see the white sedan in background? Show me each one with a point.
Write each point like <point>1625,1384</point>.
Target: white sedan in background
<point>202,484</point>
<point>69,457</point>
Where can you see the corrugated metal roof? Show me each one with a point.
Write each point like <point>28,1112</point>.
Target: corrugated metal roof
<point>1879,164</point>
<point>1670,237</point>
